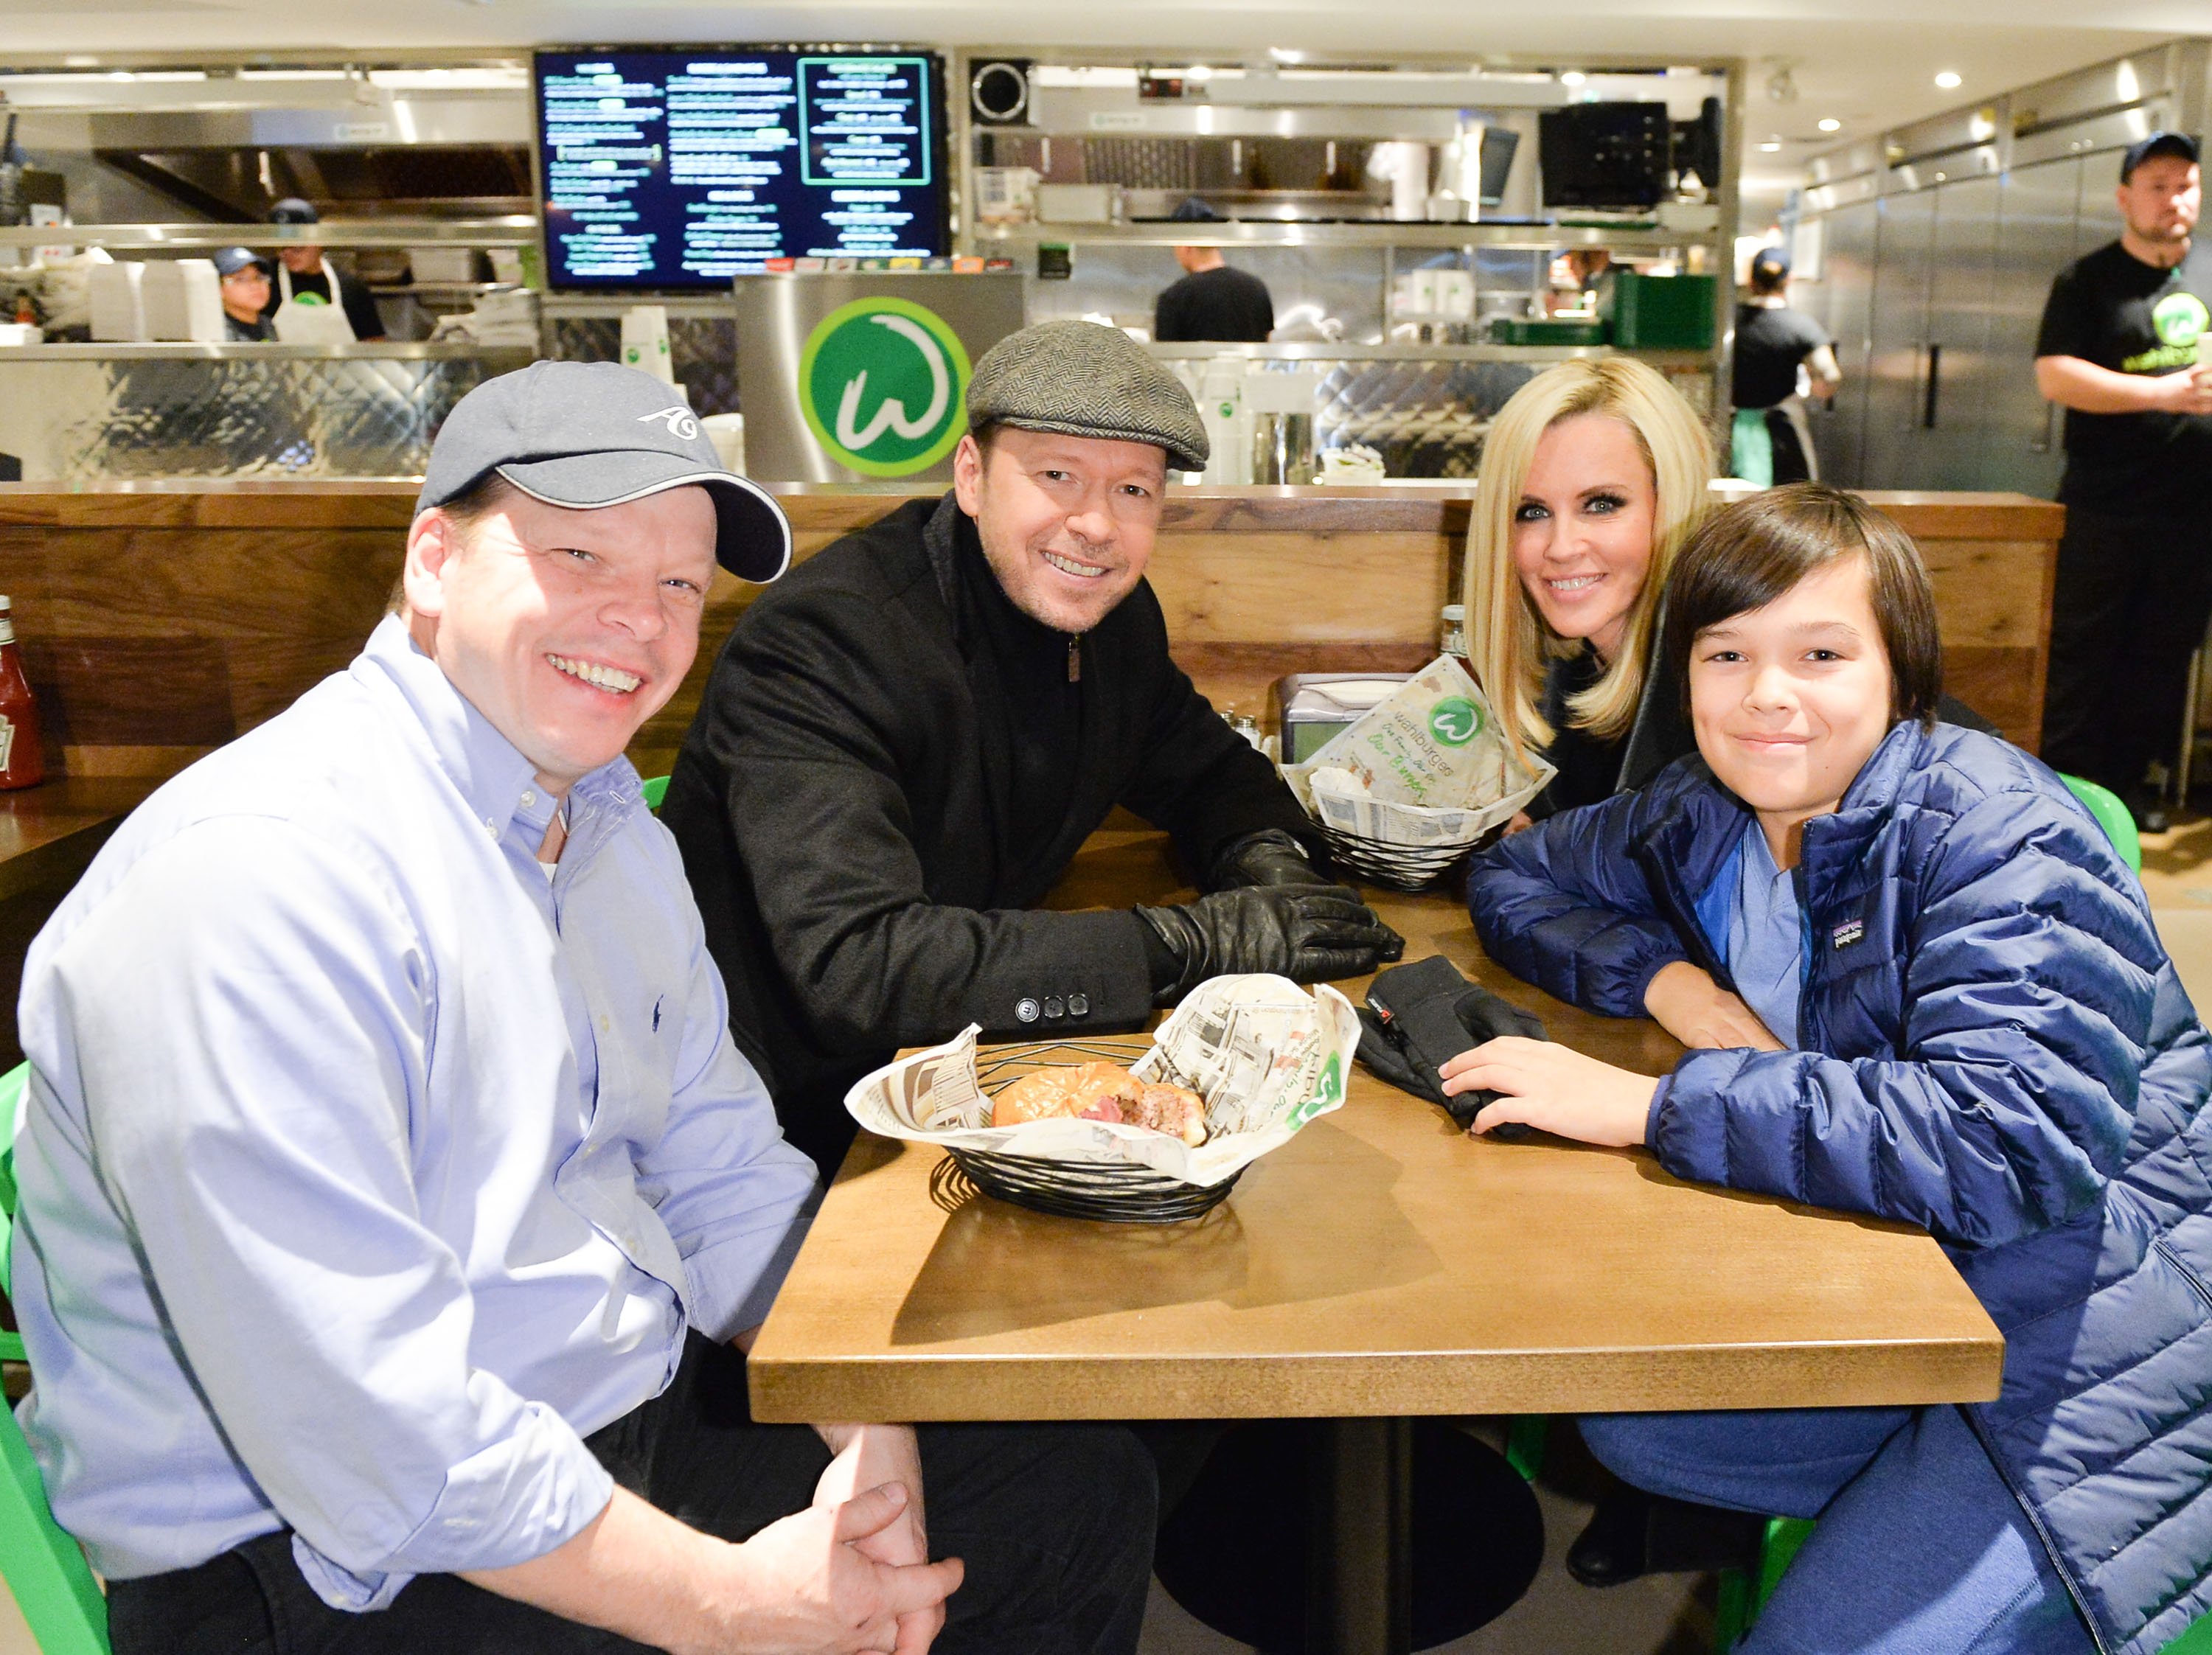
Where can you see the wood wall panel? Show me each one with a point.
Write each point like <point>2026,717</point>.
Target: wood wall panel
<point>2005,685</point>
<point>159,621</point>
<point>128,690</point>
<point>1978,600</point>
<point>1279,586</point>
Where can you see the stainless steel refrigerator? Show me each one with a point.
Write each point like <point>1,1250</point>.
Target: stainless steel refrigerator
<point>1933,287</point>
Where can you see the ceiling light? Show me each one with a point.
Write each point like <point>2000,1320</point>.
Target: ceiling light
<point>1948,79</point>
<point>1572,77</point>
<point>1285,55</point>
<point>1831,125</point>
<point>1198,72</point>
<point>1782,86</point>
<point>1770,146</point>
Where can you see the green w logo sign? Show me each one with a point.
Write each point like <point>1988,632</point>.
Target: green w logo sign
<point>882,384</point>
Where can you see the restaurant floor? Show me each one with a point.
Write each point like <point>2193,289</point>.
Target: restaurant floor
<point>1662,1615</point>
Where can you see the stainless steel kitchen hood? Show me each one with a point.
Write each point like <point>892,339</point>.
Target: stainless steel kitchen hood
<point>223,142</point>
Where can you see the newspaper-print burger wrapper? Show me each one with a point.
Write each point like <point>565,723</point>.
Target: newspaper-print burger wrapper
<point>1266,1056</point>
<point>1425,767</point>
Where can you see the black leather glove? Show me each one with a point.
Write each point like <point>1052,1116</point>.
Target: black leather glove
<point>1270,857</point>
<point>1419,1016</point>
<point>1308,933</point>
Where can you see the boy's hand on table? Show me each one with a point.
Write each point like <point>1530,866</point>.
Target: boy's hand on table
<point>1685,1002</point>
<point>1542,1084</point>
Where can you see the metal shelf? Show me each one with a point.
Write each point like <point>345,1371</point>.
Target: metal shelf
<point>555,305</point>
<point>243,350</point>
<point>1263,233</point>
<point>508,230</point>
<point>1329,353</point>
<point>442,290</point>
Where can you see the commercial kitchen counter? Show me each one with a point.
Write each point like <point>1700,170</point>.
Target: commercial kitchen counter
<point>82,414</point>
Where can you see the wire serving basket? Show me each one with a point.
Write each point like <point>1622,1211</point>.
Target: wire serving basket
<point>1401,867</point>
<point>1114,1192</point>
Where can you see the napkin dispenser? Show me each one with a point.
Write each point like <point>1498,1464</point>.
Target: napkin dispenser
<point>1311,707</point>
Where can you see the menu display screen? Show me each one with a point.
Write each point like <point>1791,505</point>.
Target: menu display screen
<point>673,168</point>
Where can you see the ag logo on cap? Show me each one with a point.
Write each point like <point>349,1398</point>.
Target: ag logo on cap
<point>882,383</point>
<point>2179,318</point>
<point>1456,721</point>
<point>682,423</point>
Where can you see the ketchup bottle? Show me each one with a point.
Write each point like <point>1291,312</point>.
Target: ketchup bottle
<point>23,753</point>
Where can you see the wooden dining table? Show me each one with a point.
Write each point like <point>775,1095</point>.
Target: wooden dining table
<point>1380,1266</point>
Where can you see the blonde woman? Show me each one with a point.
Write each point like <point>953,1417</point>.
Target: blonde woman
<point>1593,473</point>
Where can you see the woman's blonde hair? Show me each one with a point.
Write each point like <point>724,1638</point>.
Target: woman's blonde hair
<point>1507,640</point>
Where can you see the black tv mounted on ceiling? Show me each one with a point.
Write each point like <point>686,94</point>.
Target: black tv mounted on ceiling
<point>665,168</point>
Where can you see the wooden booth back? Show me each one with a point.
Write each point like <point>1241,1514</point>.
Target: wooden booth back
<point>160,621</point>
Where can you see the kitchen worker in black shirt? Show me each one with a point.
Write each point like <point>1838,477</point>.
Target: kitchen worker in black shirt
<point>1212,303</point>
<point>305,276</point>
<point>905,741</point>
<point>2120,347</point>
<point>1773,343</point>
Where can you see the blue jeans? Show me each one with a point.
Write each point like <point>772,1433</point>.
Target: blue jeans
<point>1921,1549</point>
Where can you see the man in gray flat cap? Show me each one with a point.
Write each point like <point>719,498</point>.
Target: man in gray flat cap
<point>904,743</point>
<point>396,1207</point>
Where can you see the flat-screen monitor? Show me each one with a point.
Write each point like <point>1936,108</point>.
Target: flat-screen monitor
<point>1698,145</point>
<point>1605,154</point>
<point>667,168</point>
<point>1499,145</point>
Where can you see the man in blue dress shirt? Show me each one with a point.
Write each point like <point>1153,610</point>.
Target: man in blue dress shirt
<point>393,1196</point>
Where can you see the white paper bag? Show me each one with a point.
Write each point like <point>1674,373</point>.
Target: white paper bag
<point>118,297</point>
<point>1425,767</point>
<point>644,341</point>
<point>183,299</point>
<point>727,433</point>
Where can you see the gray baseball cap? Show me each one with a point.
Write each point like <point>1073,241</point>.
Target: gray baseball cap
<point>1085,379</point>
<point>590,434</point>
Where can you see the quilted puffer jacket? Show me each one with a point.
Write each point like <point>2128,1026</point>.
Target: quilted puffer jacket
<point>1993,1044</point>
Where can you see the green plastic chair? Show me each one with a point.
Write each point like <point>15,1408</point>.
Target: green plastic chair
<point>1744,1592</point>
<point>653,791</point>
<point>2114,817</point>
<point>1524,1444</point>
<point>53,1586</point>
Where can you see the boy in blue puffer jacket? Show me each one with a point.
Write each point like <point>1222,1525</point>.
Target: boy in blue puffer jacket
<point>1918,984</point>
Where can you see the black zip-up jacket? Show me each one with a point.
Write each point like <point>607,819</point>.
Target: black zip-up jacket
<point>845,803</point>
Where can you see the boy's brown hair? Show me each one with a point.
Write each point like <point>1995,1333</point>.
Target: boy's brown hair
<point>1745,556</point>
